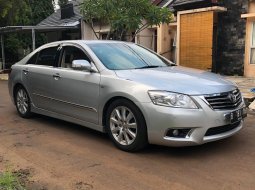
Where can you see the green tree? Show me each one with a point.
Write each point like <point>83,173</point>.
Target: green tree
<point>4,7</point>
<point>17,12</point>
<point>22,13</point>
<point>40,10</point>
<point>124,16</point>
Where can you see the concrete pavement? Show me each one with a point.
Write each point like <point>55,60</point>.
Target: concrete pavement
<point>3,76</point>
<point>245,85</point>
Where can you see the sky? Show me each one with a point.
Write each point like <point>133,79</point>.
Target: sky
<point>56,3</point>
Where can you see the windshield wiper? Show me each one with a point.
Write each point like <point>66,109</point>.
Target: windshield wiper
<point>148,67</point>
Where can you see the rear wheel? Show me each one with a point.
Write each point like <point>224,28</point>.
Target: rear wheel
<point>22,102</point>
<point>126,126</point>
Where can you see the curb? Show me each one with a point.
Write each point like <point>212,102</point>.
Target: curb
<point>251,112</point>
<point>248,101</point>
<point>4,76</point>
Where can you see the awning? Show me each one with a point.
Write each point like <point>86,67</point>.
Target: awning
<point>248,15</point>
<point>12,29</point>
<point>32,29</point>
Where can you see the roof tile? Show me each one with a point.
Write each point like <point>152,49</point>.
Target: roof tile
<point>55,18</point>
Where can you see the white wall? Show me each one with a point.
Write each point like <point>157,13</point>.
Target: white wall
<point>147,38</point>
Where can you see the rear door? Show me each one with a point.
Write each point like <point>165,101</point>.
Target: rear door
<point>38,76</point>
<point>76,93</point>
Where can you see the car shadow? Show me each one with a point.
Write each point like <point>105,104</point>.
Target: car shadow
<point>212,147</point>
<point>68,126</point>
<point>230,144</point>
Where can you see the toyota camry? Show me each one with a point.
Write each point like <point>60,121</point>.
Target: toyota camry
<point>135,95</point>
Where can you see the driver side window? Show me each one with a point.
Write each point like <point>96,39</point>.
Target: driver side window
<point>71,53</point>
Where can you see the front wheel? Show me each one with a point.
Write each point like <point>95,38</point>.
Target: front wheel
<point>126,126</point>
<point>22,102</point>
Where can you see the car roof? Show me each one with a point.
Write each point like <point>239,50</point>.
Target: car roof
<point>82,42</point>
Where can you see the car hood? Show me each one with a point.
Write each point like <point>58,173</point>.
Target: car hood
<point>178,79</point>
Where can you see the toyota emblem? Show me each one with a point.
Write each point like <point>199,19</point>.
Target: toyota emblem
<point>232,97</point>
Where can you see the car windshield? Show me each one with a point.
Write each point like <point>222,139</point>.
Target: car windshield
<point>121,56</point>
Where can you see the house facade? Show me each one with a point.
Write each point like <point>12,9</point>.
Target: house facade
<point>67,16</point>
<point>249,61</point>
<point>213,35</point>
<point>208,35</point>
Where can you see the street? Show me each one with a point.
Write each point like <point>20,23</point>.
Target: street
<point>58,155</point>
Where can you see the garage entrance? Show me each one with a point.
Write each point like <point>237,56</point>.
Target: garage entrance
<point>196,40</point>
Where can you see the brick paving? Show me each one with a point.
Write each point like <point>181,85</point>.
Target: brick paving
<point>246,86</point>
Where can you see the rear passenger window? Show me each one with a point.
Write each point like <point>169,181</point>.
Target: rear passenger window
<point>33,59</point>
<point>47,56</point>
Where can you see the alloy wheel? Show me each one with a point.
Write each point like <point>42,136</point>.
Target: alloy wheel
<point>123,125</point>
<point>22,101</point>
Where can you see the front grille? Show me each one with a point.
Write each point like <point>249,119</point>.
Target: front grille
<point>222,129</point>
<point>225,101</point>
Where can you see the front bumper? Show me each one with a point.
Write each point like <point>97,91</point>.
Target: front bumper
<point>161,119</point>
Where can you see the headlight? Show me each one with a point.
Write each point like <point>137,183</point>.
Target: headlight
<point>170,99</point>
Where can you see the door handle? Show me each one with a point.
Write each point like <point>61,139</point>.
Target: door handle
<point>25,71</point>
<point>56,76</point>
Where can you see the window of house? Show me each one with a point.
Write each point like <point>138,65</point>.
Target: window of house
<point>47,56</point>
<point>174,51</point>
<point>70,54</point>
<point>252,58</point>
<point>103,36</point>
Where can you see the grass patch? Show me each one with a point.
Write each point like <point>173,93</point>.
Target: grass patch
<point>10,181</point>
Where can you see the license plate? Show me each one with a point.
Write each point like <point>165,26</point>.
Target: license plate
<point>236,116</point>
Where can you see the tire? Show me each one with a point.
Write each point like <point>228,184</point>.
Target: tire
<point>22,102</point>
<point>126,126</point>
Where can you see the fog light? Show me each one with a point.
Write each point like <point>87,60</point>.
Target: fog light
<point>178,133</point>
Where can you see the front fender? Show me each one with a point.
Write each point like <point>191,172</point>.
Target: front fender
<point>115,87</point>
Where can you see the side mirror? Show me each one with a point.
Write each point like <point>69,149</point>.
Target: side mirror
<point>82,65</point>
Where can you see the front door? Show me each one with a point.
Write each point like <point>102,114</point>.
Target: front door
<point>75,93</point>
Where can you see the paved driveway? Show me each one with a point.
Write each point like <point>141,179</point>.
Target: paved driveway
<point>61,155</point>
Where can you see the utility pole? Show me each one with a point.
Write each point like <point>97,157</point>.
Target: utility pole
<point>33,38</point>
<point>3,54</point>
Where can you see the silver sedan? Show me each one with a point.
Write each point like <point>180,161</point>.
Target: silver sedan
<point>128,91</point>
